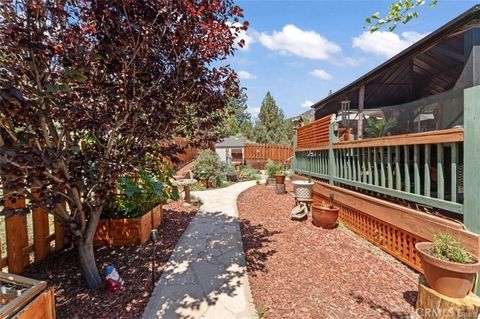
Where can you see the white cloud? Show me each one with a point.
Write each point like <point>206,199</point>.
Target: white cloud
<point>254,111</point>
<point>244,75</point>
<point>243,35</point>
<point>306,104</point>
<point>306,44</point>
<point>321,74</point>
<point>385,43</point>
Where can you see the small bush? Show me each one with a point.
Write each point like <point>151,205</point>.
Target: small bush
<point>198,187</point>
<point>209,166</point>
<point>196,201</point>
<point>261,311</point>
<point>249,174</point>
<point>446,248</point>
<point>139,195</point>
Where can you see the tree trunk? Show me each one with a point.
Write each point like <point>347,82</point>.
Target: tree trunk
<point>88,264</point>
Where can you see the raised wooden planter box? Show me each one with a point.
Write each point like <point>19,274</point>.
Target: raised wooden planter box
<point>24,298</point>
<point>128,231</point>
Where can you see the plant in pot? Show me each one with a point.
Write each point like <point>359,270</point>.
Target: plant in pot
<point>325,215</point>
<point>280,174</point>
<point>271,169</point>
<point>448,267</point>
<point>231,174</point>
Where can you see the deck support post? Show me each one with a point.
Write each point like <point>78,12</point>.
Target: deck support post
<point>361,104</point>
<point>331,155</point>
<point>471,154</point>
<point>471,167</point>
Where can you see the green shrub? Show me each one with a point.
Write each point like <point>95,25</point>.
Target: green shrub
<point>139,195</point>
<point>198,187</point>
<point>249,174</point>
<point>209,165</point>
<point>446,248</point>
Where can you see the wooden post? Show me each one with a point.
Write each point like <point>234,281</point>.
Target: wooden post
<point>40,230</point>
<point>16,232</point>
<point>331,154</point>
<point>471,154</point>
<point>361,105</point>
<point>471,150</point>
<point>433,305</point>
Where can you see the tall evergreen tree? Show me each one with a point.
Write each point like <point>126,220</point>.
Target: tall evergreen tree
<point>237,119</point>
<point>271,125</point>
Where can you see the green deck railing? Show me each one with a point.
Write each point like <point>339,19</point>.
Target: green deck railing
<point>423,168</point>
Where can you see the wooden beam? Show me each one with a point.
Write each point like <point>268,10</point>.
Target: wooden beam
<point>433,137</point>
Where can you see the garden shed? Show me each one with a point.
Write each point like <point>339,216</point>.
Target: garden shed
<point>231,150</point>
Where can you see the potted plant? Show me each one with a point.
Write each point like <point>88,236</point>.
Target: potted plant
<point>231,174</point>
<point>325,215</point>
<point>271,169</point>
<point>280,174</point>
<point>448,267</point>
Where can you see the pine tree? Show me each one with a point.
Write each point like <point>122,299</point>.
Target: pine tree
<point>271,126</point>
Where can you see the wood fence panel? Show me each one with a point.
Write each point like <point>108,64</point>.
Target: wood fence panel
<point>263,152</point>
<point>315,134</point>
<point>59,236</point>
<point>40,235</point>
<point>17,239</point>
<point>19,228</point>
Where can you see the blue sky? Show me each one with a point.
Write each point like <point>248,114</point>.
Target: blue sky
<point>299,50</point>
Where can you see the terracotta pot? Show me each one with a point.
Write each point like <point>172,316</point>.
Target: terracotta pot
<point>280,178</point>
<point>448,278</point>
<point>325,217</point>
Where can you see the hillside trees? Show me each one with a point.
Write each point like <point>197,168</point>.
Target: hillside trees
<point>88,89</point>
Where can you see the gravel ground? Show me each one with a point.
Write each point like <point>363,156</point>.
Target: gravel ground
<point>134,264</point>
<point>297,270</point>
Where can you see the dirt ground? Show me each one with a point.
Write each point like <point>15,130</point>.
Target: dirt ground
<point>297,270</point>
<point>134,264</point>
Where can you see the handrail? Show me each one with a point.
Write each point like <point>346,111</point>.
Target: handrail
<point>424,168</point>
<point>432,137</point>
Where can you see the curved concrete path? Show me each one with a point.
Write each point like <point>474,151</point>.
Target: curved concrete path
<point>206,276</point>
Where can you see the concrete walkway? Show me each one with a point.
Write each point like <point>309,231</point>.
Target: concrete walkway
<point>206,275</point>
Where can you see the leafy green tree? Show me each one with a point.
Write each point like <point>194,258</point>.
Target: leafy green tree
<point>401,11</point>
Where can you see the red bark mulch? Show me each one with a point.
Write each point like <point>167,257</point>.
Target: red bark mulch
<point>134,264</point>
<point>297,270</point>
